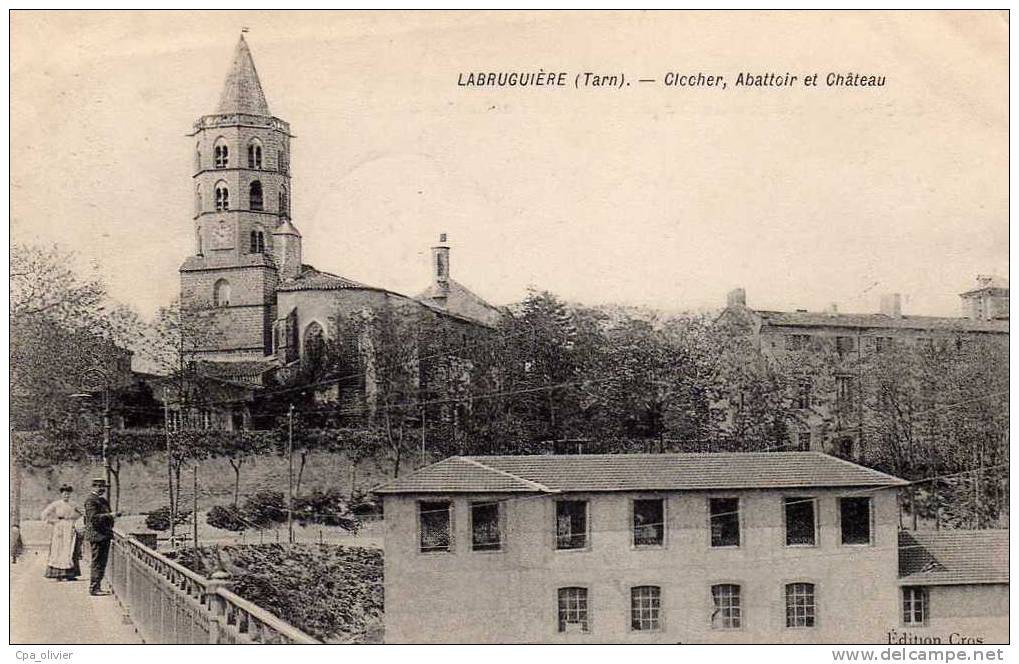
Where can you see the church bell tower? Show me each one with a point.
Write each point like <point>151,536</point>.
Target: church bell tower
<point>242,197</point>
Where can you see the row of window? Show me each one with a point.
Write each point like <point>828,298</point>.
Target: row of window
<point>221,156</point>
<point>646,615</point>
<point>256,199</point>
<point>849,344</point>
<point>648,529</point>
<point>191,419</point>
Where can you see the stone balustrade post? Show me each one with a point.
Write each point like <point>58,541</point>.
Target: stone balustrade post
<point>216,605</point>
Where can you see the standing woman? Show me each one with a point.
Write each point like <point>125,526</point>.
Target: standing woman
<point>64,544</point>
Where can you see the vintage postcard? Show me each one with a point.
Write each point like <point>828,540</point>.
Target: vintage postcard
<point>509,327</point>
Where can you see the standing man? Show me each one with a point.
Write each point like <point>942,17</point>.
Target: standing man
<point>99,532</point>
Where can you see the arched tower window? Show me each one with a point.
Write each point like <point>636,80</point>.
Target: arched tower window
<point>255,195</point>
<point>198,242</point>
<point>314,343</point>
<point>198,157</point>
<point>221,293</point>
<point>255,154</point>
<point>198,200</point>
<point>284,202</point>
<point>257,242</point>
<point>222,196</point>
<point>221,154</point>
<point>284,165</point>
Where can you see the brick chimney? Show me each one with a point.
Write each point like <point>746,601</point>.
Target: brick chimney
<point>440,267</point>
<point>891,305</point>
<point>737,297</point>
<point>832,310</point>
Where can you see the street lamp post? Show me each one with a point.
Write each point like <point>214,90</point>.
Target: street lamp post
<point>106,436</point>
<point>104,380</point>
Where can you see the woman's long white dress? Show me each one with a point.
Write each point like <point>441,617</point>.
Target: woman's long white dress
<point>64,545</point>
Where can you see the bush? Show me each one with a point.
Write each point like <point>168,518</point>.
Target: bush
<point>226,518</point>
<point>160,519</point>
<point>327,508</point>
<point>365,505</point>
<point>264,509</point>
<point>333,593</point>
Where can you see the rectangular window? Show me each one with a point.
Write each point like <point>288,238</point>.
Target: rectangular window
<point>796,341</point>
<point>724,521</point>
<point>645,608</point>
<point>485,532</point>
<point>800,526</point>
<point>728,612</point>
<point>573,610</point>
<point>854,514</point>
<point>882,344</point>
<point>571,524</point>
<point>799,605</point>
<point>845,391</point>
<point>804,390</point>
<point>845,345</point>
<point>174,423</point>
<point>435,521</point>
<point>915,605</point>
<point>648,522</point>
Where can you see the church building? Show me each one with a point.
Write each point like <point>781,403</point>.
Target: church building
<point>266,305</point>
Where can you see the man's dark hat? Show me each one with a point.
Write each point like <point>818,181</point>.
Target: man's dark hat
<point>98,481</point>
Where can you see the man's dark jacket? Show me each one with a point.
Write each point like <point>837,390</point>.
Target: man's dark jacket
<point>98,519</point>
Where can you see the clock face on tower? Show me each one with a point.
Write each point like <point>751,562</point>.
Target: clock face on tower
<point>221,236</point>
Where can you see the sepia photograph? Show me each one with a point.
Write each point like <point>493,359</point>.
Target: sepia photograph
<point>510,327</point>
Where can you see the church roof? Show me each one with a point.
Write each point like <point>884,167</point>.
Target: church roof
<point>460,300</point>
<point>287,228</point>
<point>311,279</point>
<point>242,91</point>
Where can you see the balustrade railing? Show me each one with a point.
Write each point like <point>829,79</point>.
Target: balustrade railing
<point>169,603</point>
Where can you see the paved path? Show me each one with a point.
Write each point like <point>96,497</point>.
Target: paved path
<point>45,611</point>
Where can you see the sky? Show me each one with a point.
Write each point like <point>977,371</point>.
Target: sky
<point>647,195</point>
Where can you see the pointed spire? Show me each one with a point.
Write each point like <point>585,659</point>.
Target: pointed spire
<point>242,91</point>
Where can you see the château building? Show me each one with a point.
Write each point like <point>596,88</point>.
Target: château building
<point>830,422</point>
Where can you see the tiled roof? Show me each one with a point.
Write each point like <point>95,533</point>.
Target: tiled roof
<point>865,321</point>
<point>953,557</point>
<point>460,300</point>
<point>638,472</point>
<point>459,474</point>
<point>237,369</point>
<point>242,91</point>
<point>312,279</point>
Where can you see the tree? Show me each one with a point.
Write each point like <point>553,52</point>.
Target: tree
<point>64,330</point>
<point>940,410</point>
<point>174,342</point>
<point>239,446</point>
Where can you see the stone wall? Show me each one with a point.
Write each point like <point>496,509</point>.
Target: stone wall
<point>144,483</point>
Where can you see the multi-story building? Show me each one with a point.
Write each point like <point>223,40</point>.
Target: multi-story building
<point>832,421</point>
<point>787,547</point>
